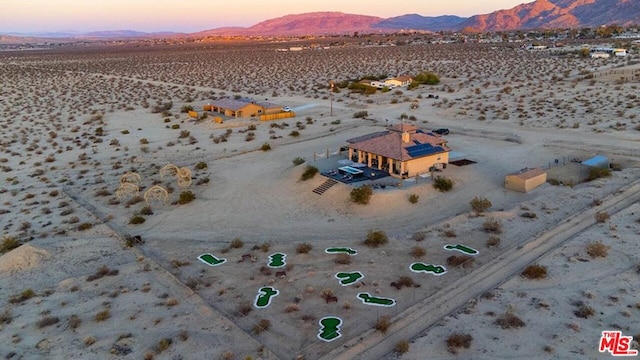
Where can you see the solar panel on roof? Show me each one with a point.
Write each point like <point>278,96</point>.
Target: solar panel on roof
<point>423,149</point>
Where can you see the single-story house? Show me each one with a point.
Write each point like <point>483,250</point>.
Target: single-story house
<point>598,161</point>
<point>399,81</point>
<point>244,108</point>
<point>403,150</point>
<point>525,180</point>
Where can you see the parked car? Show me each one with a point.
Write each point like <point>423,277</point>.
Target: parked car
<point>286,109</point>
<point>441,131</point>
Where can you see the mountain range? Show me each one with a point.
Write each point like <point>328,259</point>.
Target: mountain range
<point>539,14</point>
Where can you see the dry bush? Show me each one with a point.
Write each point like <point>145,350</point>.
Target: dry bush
<point>376,238</point>
<point>342,259</point>
<point>509,321</point>
<point>265,270</point>
<point>535,272</point>
<point>292,308</point>
<point>480,204</point>
<point>383,324</point>
<point>23,296</point>
<point>163,344</point>
<point>457,341</point>
<point>597,249</point>
<point>47,321</point>
<point>460,260</point>
<point>102,315</point>
<point>102,272</point>
<point>236,243</point>
<point>74,322</point>
<point>584,311</point>
<point>9,243</point>
<point>89,340</point>
<point>262,325</point>
<point>244,308</point>
<point>492,226</point>
<point>419,236</point>
<point>418,252</point>
<point>602,216</point>
<point>327,294</point>
<point>6,317</point>
<point>449,233</point>
<point>493,241</point>
<point>303,248</point>
<point>402,347</point>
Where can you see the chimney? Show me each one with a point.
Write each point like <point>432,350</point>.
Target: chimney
<point>406,137</point>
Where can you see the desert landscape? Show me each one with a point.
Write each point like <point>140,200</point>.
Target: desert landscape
<point>92,269</point>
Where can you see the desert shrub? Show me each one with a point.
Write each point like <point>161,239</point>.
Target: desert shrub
<point>492,226</point>
<point>175,126</point>
<point>597,249</point>
<point>303,248</point>
<point>602,216</point>
<point>9,243</point>
<point>419,236</point>
<point>6,317</point>
<point>493,241</point>
<point>201,165</point>
<point>529,215</point>
<point>85,226</point>
<point>265,147</point>
<point>294,133</point>
<point>102,315</point>
<point>186,197</point>
<point>134,200</point>
<point>376,238</point>
<point>146,210</point>
<point>144,141</point>
<point>597,173</point>
<point>449,233</point>
<point>457,341</point>
<point>342,259</point>
<point>298,161</point>
<point>22,297</point>
<point>186,108</point>
<point>480,204</point>
<point>136,220</point>
<point>535,272</point>
<point>361,195</point>
<point>402,347</point>
<point>360,114</point>
<point>418,252</point>
<point>309,172</point>
<point>584,311</point>
<point>326,294</point>
<point>292,308</point>
<point>74,321</point>
<point>460,260</point>
<point>163,344</point>
<point>262,325</point>
<point>413,198</point>
<point>383,324</point>
<point>443,184</point>
<point>509,321</point>
<point>405,281</point>
<point>244,308</point>
<point>47,321</point>
<point>102,272</point>
<point>236,243</point>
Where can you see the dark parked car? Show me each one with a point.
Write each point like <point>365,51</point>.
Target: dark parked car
<point>441,131</point>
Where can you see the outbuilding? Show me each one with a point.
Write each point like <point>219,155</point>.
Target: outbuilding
<point>525,180</point>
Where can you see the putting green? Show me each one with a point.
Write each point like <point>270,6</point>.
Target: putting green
<point>437,270</point>
<point>265,294</point>
<point>348,278</point>
<point>277,260</point>
<point>329,328</point>
<point>367,299</point>
<point>338,250</point>
<point>211,260</point>
<point>462,248</point>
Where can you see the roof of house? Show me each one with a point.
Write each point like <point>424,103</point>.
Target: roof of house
<point>391,145</point>
<point>528,173</point>
<point>403,78</point>
<point>237,104</point>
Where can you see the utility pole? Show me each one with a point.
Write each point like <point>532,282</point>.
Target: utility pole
<point>331,85</point>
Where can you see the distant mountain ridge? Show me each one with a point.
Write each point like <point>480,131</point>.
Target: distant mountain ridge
<point>534,15</point>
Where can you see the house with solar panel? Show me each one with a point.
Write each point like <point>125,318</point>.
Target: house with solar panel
<point>244,107</point>
<point>402,150</point>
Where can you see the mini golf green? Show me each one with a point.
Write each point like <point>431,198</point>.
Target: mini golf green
<point>462,248</point>
<point>329,328</point>
<point>265,294</point>
<point>437,270</point>
<point>277,260</point>
<point>348,278</point>
<point>337,250</point>
<point>367,299</point>
<point>211,260</point>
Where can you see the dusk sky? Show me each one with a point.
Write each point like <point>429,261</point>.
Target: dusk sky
<point>196,15</point>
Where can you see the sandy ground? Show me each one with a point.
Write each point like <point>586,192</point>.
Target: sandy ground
<point>75,122</point>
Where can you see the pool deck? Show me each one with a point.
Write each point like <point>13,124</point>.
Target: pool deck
<point>368,174</point>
